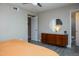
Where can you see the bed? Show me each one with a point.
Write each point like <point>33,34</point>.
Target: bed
<point>16,47</point>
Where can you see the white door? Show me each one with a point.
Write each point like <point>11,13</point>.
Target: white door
<point>77,28</point>
<point>34,28</point>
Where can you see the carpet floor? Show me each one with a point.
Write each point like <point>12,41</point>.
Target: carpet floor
<point>62,51</point>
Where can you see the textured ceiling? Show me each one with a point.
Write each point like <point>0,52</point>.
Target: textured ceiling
<point>36,9</point>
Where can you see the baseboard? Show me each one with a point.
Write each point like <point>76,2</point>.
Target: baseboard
<point>37,40</point>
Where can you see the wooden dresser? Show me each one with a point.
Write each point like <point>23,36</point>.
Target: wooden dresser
<point>54,39</point>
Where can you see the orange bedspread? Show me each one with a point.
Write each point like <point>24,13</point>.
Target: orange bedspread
<point>23,48</point>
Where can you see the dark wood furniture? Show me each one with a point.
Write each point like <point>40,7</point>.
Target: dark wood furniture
<point>54,39</point>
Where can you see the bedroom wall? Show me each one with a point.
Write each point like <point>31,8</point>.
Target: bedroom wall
<point>13,24</point>
<point>62,13</point>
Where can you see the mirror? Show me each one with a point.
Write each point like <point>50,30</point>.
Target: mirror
<point>55,25</point>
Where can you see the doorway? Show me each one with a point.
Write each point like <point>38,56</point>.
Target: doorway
<point>32,28</point>
<point>75,28</point>
<point>73,31</point>
<point>29,29</point>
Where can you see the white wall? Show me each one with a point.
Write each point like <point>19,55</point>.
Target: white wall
<point>62,13</point>
<point>13,24</point>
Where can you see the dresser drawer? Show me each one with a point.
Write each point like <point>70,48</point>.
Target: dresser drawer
<point>54,39</point>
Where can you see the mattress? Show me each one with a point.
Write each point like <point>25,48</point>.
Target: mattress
<point>16,47</point>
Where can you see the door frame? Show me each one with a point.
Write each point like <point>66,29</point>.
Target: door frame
<point>29,29</point>
<point>75,10</point>
<point>31,22</point>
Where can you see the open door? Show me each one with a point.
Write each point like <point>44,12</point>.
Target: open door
<point>34,28</point>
